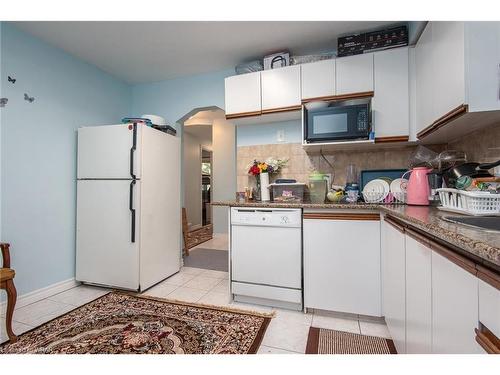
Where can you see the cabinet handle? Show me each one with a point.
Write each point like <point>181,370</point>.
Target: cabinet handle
<point>488,341</point>
<point>418,237</point>
<point>394,224</point>
<point>342,216</point>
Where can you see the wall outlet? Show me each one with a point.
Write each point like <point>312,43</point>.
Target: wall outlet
<point>280,135</point>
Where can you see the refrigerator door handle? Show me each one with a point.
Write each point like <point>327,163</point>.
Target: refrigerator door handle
<point>132,210</point>
<point>132,150</point>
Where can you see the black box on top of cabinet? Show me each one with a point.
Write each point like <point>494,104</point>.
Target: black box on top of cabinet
<point>375,40</point>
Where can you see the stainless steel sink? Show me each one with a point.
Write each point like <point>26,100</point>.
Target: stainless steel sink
<point>490,223</point>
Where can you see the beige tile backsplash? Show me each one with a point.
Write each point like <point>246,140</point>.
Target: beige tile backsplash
<point>301,164</point>
<point>480,146</point>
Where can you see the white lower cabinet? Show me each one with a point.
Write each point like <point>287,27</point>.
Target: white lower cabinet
<point>418,297</point>
<point>454,308</point>
<point>394,285</point>
<point>342,263</point>
<point>489,307</point>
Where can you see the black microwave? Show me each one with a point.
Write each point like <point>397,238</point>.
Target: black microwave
<point>339,121</point>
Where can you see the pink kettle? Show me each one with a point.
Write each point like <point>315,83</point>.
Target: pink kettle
<point>418,190</point>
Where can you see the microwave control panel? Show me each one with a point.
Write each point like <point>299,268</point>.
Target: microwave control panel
<point>362,120</point>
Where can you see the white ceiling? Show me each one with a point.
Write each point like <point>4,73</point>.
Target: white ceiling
<point>152,51</point>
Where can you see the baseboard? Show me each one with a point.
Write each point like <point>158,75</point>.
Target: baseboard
<point>39,294</point>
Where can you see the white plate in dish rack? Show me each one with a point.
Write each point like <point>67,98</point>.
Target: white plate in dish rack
<point>376,191</point>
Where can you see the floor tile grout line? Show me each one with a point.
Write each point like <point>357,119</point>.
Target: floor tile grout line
<point>275,347</point>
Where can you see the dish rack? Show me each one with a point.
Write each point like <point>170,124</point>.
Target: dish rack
<point>469,203</point>
<point>380,198</point>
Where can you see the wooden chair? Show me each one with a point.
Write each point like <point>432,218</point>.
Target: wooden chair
<point>195,236</point>
<point>7,282</point>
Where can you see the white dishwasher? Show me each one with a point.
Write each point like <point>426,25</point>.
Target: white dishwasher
<point>266,256</point>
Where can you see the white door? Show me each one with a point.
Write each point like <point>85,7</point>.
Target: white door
<point>354,74</point>
<point>242,93</point>
<point>160,212</point>
<point>391,105</point>
<point>394,286</point>
<point>418,298</point>
<point>107,152</point>
<point>266,255</point>
<point>342,265</point>
<point>281,87</point>
<point>455,308</point>
<point>318,79</point>
<point>105,251</point>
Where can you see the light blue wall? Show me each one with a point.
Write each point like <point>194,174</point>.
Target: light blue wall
<point>174,98</point>
<point>38,151</point>
<point>263,134</point>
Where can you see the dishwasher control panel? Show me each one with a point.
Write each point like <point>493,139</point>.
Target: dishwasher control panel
<point>266,217</point>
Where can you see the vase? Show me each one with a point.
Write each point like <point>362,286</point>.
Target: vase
<point>264,187</point>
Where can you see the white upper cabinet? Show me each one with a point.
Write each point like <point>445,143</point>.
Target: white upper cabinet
<point>242,93</point>
<point>426,113</point>
<point>483,65</point>
<point>354,74</point>
<point>390,104</point>
<point>418,298</point>
<point>458,78</point>
<point>449,71</point>
<point>318,79</point>
<point>454,308</point>
<point>281,88</point>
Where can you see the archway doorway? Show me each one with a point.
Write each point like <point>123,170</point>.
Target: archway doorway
<point>209,173</point>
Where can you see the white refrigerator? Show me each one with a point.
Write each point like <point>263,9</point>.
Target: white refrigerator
<point>128,221</point>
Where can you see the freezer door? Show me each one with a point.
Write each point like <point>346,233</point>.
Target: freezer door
<point>108,151</point>
<point>105,251</point>
<point>160,254</point>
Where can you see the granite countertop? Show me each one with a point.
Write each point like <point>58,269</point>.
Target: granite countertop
<point>482,245</point>
<point>337,206</point>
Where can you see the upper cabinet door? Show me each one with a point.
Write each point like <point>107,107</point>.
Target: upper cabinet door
<point>318,79</point>
<point>243,93</point>
<point>424,66</point>
<point>354,74</point>
<point>449,66</point>
<point>391,101</point>
<point>281,88</point>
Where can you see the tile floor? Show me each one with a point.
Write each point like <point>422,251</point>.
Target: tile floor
<point>218,242</point>
<point>287,332</point>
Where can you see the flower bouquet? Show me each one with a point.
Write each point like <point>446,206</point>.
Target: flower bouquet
<point>261,171</point>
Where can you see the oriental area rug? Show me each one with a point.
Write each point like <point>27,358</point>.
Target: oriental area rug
<point>124,323</point>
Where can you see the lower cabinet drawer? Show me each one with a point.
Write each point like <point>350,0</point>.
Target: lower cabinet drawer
<point>489,307</point>
<point>267,292</point>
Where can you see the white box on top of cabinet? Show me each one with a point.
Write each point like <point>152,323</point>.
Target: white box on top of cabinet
<point>342,263</point>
